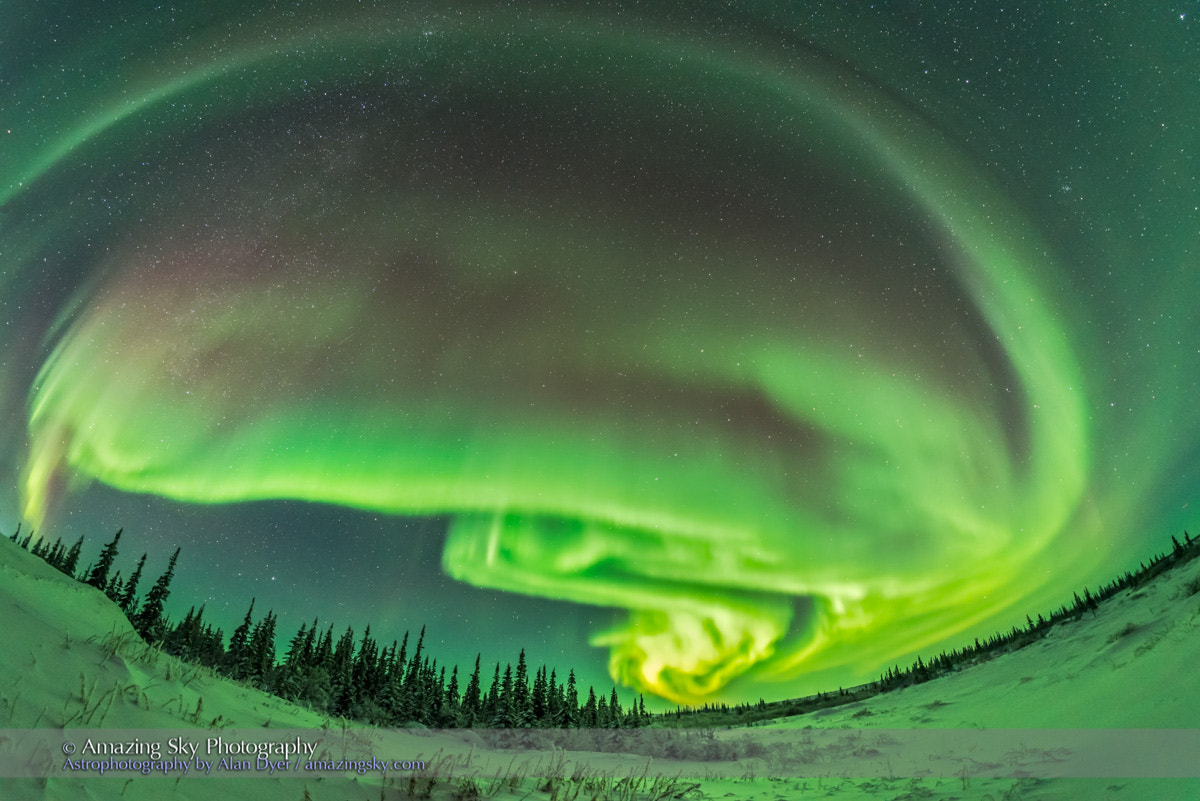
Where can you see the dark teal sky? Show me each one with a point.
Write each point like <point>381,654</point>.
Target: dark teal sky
<point>735,353</point>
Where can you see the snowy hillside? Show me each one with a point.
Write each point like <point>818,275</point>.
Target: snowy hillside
<point>71,661</point>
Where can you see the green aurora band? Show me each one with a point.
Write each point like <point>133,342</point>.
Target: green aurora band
<point>591,288</point>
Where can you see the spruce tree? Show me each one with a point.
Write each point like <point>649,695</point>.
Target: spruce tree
<point>173,641</point>
<point>295,655</point>
<point>113,589</point>
<point>391,694</point>
<point>413,696</point>
<point>314,683</point>
<point>308,648</point>
<point>58,555</point>
<point>191,638</point>
<point>149,620</point>
<point>504,715</point>
<point>54,554</point>
<point>537,701</point>
<point>436,697</point>
<point>401,660</point>
<point>365,673</point>
<point>520,711</point>
<point>491,703</point>
<point>554,702</point>
<point>323,652</point>
<point>236,660</point>
<point>570,715</point>
<point>71,560</point>
<point>414,665</point>
<point>213,651</point>
<point>261,652</point>
<point>343,695</point>
<point>128,596</point>
<point>363,668</point>
<point>451,703</point>
<point>98,577</point>
<point>419,693</point>
<point>472,697</point>
<point>588,717</point>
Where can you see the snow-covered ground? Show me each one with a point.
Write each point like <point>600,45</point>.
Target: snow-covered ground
<point>74,671</point>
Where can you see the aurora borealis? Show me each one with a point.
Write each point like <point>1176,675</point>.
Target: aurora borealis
<point>803,339</point>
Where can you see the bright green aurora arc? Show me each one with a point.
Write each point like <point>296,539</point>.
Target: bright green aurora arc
<point>767,327</point>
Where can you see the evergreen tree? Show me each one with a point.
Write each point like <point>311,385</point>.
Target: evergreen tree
<point>323,652</point>
<point>313,678</point>
<point>520,712</point>
<point>436,694</point>
<point>175,634</point>
<point>112,590</point>
<point>71,560</point>
<point>54,554</point>
<point>614,709</point>
<point>58,555</point>
<point>98,577</point>
<point>308,648</point>
<point>388,696</point>
<point>297,655</point>
<point>414,665</point>
<point>554,700</point>
<point>149,622</point>
<point>588,716</point>
<point>237,660</point>
<point>260,652</point>
<point>212,647</point>
<point>504,716</point>
<point>471,700</point>
<point>343,693</point>
<point>364,674</point>
<point>537,701</point>
<point>426,695</point>
<point>191,639</point>
<point>401,660</point>
<point>128,597</point>
<point>491,703</point>
<point>570,707</point>
<point>451,703</point>
<point>366,662</point>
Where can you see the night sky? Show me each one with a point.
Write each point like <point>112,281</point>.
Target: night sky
<point>720,352</point>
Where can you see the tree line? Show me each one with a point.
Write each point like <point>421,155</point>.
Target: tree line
<point>1020,636</point>
<point>947,661</point>
<point>352,677</point>
<point>358,678</point>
